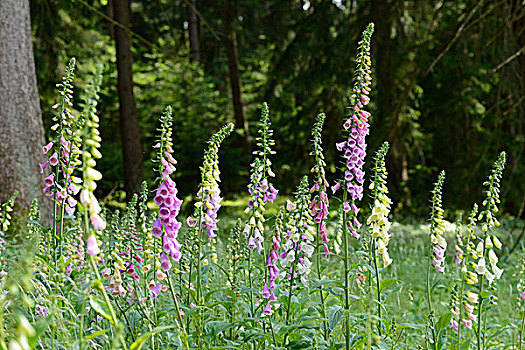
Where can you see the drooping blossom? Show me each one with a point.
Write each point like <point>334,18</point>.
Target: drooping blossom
<point>356,128</point>
<point>209,198</point>
<point>378,220</point>
<point>260,189</point>
<point>297,245</point>
<point>438,226</point>
<point>166,198</point>
<point>320,203</point>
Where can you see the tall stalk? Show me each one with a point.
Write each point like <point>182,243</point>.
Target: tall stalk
<point>464,265</point>
<point>437,244</point>
<point>346,279</point>
<point>319,206</point>
<point>356,128</point>
<point>429,298</point>
<point>321,294</point>
<point>485,251</point>
<point>378,221</point>
<point>522,328</point>
<point>378,284</point>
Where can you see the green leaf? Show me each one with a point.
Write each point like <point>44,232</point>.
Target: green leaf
<point>216,327</point>
<point>334,316</point>
<point>95,334</point>
<point>40,327</point>
<point>443,322</point>
<point>137,345</point>
<point>465,345</point>
<point>387,283</point>
<point>101,308</point>
<point>485,294</point>
<point>299,344</point>
<point>321,283</point>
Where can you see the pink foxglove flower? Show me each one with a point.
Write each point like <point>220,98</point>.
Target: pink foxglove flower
<point>92,245</point>
<point>167,226</point>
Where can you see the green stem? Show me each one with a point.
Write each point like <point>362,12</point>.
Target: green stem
<point>347,271</point>
<point>321,294</point>
<point>429,299</point>
<point>2,329</point>
<point>463,263</point>
<point>378,284</point>
<point>126,318</point>
<point>522,328</point>
<point>179,316</point>
<point>480,305</point>
<point>291,286</point>
<point>81,330</point>
<point>273,334</point>
<point>114,320</point>
<point>101,289</point>
<point>480,302</point>
<point>252,311</point>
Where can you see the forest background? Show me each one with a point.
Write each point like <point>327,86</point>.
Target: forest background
<point>448,89</point>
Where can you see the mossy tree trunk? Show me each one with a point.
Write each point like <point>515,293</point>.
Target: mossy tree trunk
<point>21,127</point>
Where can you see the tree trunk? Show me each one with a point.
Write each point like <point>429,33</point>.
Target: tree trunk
<point>129,128</point>
<point>194,31</point>
<point>241,123</point>
<point>21,128</point>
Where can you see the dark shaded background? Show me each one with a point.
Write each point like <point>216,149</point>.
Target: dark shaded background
<point>448,89</point>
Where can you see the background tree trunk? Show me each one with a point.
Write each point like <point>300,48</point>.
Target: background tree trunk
<point>241,123</point>
<point>194,31</point>
<point>21,128</point>
<point>131,145</point>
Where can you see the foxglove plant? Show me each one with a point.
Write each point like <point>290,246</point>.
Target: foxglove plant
<point>378,220</point>
<point>489,240</point>
<point>169,204</point>
<point>298,245</point>
<point>437,227</point>
<point>261,192</point>
<point>91,143</point>
<point>459,256</point>
<point>167,226</point>
<point>354,152</point>
<point>273,259</point>
<point>320,203</point>
<point>436,249</point>
<point>468,277</point>
<point>93,222</point>
<point>65,151</point>
<point>319,206</point>
<point>209,199</point>
<point>205,215</point>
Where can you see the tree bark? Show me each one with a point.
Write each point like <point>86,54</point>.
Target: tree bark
<point>241,123</point>
<point>194,31</point>
<point>21,127</point>
<point>129,128</point>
